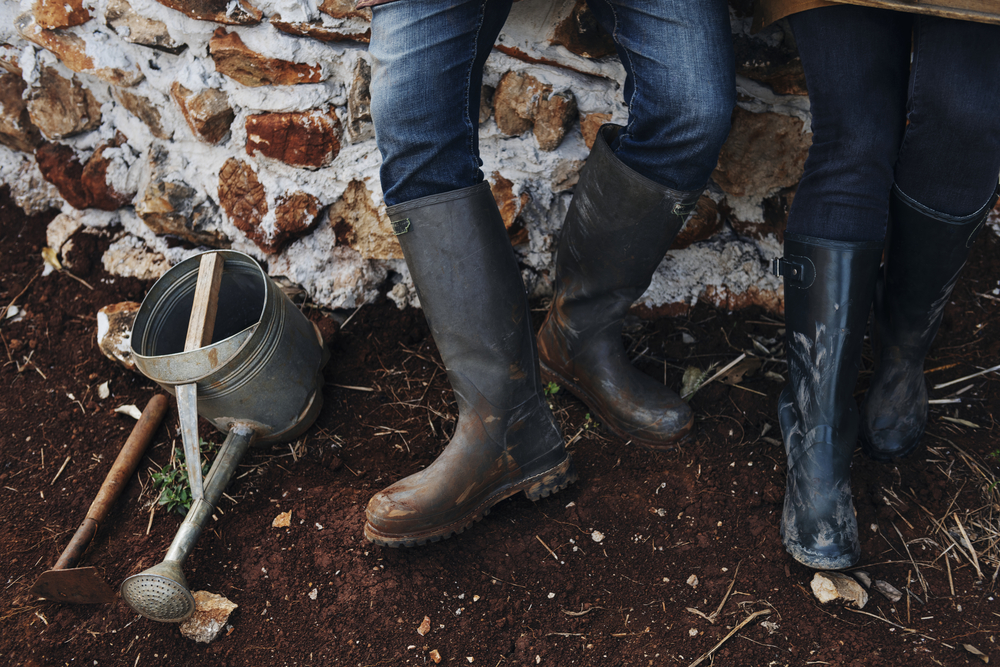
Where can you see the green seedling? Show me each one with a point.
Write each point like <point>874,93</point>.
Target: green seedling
<point>551,389</point>
<point>172,479</point>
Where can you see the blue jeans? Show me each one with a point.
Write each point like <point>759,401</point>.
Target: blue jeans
<point>863,90</point>
<point>428,58</point>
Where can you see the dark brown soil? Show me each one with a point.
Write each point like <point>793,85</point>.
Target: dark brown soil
<point>495,595</point>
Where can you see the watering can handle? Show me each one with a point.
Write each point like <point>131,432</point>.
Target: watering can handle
<point>201,325</point>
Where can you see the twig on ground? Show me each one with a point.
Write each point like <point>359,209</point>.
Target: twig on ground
<point>967,377</point>
<point>61,468</point>
<point>547,548</point>
<point>745,621</point>
<point>975,557</point>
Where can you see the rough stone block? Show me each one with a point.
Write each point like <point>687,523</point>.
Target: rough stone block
<point>94,178</point>
<point>60,13</point>
<point>242,196</point>
<point>703,224</point>
<point>581,34</point>
<point>135,28</point>
<point>16,129</point>
<point>359,100</point>
<point>357,222</point>
<point>114,332</point>
<point>308,139</point>
<point>72,50</point>
<point>348,29</point>
<point>62,107</point>
<point>145,110</point>
<point>522,102</point>
<point>207,112</point>
<point>764,152</point>
<point>226,12</point>
<point>590,124</point>
<point>211,612</point>
<point>62,168</point>
<point>237,61</point>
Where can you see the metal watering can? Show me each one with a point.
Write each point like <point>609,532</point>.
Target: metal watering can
<point>257,377</point>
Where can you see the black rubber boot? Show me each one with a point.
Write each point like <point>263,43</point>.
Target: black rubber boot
<point>506,440</point>
<point>828,295</point>
<point>619,227</point>
<point>925,253</point>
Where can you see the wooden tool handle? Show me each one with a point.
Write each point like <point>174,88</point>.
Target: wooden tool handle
<point>122,470</point>
<point>206,302</point>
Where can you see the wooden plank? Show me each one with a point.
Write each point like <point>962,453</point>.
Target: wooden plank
<point>206,302</point>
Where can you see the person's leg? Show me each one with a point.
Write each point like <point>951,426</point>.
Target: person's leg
<point>427,70</point>
<point>946,178</point>
<point>856,65</point>
<point>637,188</point>
<point>428,59</point>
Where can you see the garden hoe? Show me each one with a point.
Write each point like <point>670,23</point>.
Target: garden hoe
<point>83,585</point>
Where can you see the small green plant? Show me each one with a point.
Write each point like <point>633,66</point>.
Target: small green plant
<point>551,389</point>
<point>172,479</point>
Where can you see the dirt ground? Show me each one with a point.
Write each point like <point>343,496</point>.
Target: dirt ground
<point>529,585</point>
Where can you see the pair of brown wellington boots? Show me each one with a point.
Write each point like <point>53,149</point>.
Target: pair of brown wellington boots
<point>618,229</point>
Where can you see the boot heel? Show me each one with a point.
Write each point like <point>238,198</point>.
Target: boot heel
<point>551,481</point>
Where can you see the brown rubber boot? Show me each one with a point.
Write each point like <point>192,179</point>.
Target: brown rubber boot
<point>506,440</point>
<point>619,227</point>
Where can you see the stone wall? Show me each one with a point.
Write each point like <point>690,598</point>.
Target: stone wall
<point>177,124</point>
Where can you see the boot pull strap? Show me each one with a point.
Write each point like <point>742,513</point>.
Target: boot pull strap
<point>795,273</point>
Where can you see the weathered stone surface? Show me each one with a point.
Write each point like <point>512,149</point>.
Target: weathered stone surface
<point>581,34</point>
<point>242,196</point>
<point>62,107</point>
<point>523,102</point>
<point>830,586</point>
<point>703,223</point>
<point>211,612</point>
<point>16,129</point>
<point>60,229</point>
<point>296,215</point>
<point>114,332</point>
<point>137,29</point>
<point>486,94</point>
<point>510,206</point>
<point>226,12</point>
<point>94,178</point>
<point>60,13</point>
<point>891,593</point>
<point>237,61</point>
<point>764,152</point>
<point>168,206</point>
<point>130,258</point>
<point>71,49</point>
<point>207,112</point>
<point>359,100</point>
<point>145,110</point>
<point>10,58</point>
<point>308,139</point>
<point>590,124</point>
<point>776,66</point>
<point>62,168</point>
<point>357,222</point>
<point>344,9</point>
<point>349,29</point>
<point>775,209</point>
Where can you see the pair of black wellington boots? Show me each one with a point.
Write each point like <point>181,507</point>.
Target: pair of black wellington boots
<point>619,226</point>
<point>830,288</point>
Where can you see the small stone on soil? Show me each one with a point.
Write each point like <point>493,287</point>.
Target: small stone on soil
<point>597,536</point>
<point>692,581</point>
<point>864,578</point>
<point>888,590</point>
<point>211,612</point>
<point>103,391</point>
<point>435,656</point>
<point>425,626</point>
<point>283,520</point>
<point>829,586</point>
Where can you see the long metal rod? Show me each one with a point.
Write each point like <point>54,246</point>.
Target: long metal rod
<point>233,449</point>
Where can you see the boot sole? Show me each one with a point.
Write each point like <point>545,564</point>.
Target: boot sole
<point>535,488</point>
<point>875,455</point>
<point>661,444</point>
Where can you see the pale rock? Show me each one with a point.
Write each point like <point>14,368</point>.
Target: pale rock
<point>60,13</point>
<point>359,99</point>
<point>207,112</point>
<point>237,61</point>
<point>425,626</point>
<point>130,258</point>
<point>890,592</point>
<point>103,390</point>
<point>168,206</point>
<point>597,536</point>
<point>62,107</point>
<point>74,52</point>
<point>94,178</point>
<point>863,577</point>
<point>145,110</point>
<point>29,189</point>
<point>360,224</point>
<point>283,520</point>
<point>830,586</point>
<point>16,127</point>
<point>227,12</point>
<point>764,152</point>
<point>135,28</point>
<point>309,139</point>
<point>114,332</point>
<point>211,612</point>
<point>692,581</point>
<point>131,410</point>
<point>60,229</point>
<point>435,655</point>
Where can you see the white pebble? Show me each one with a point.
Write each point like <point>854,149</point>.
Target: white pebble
<point>313,594</point>
<point>597,536</point>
